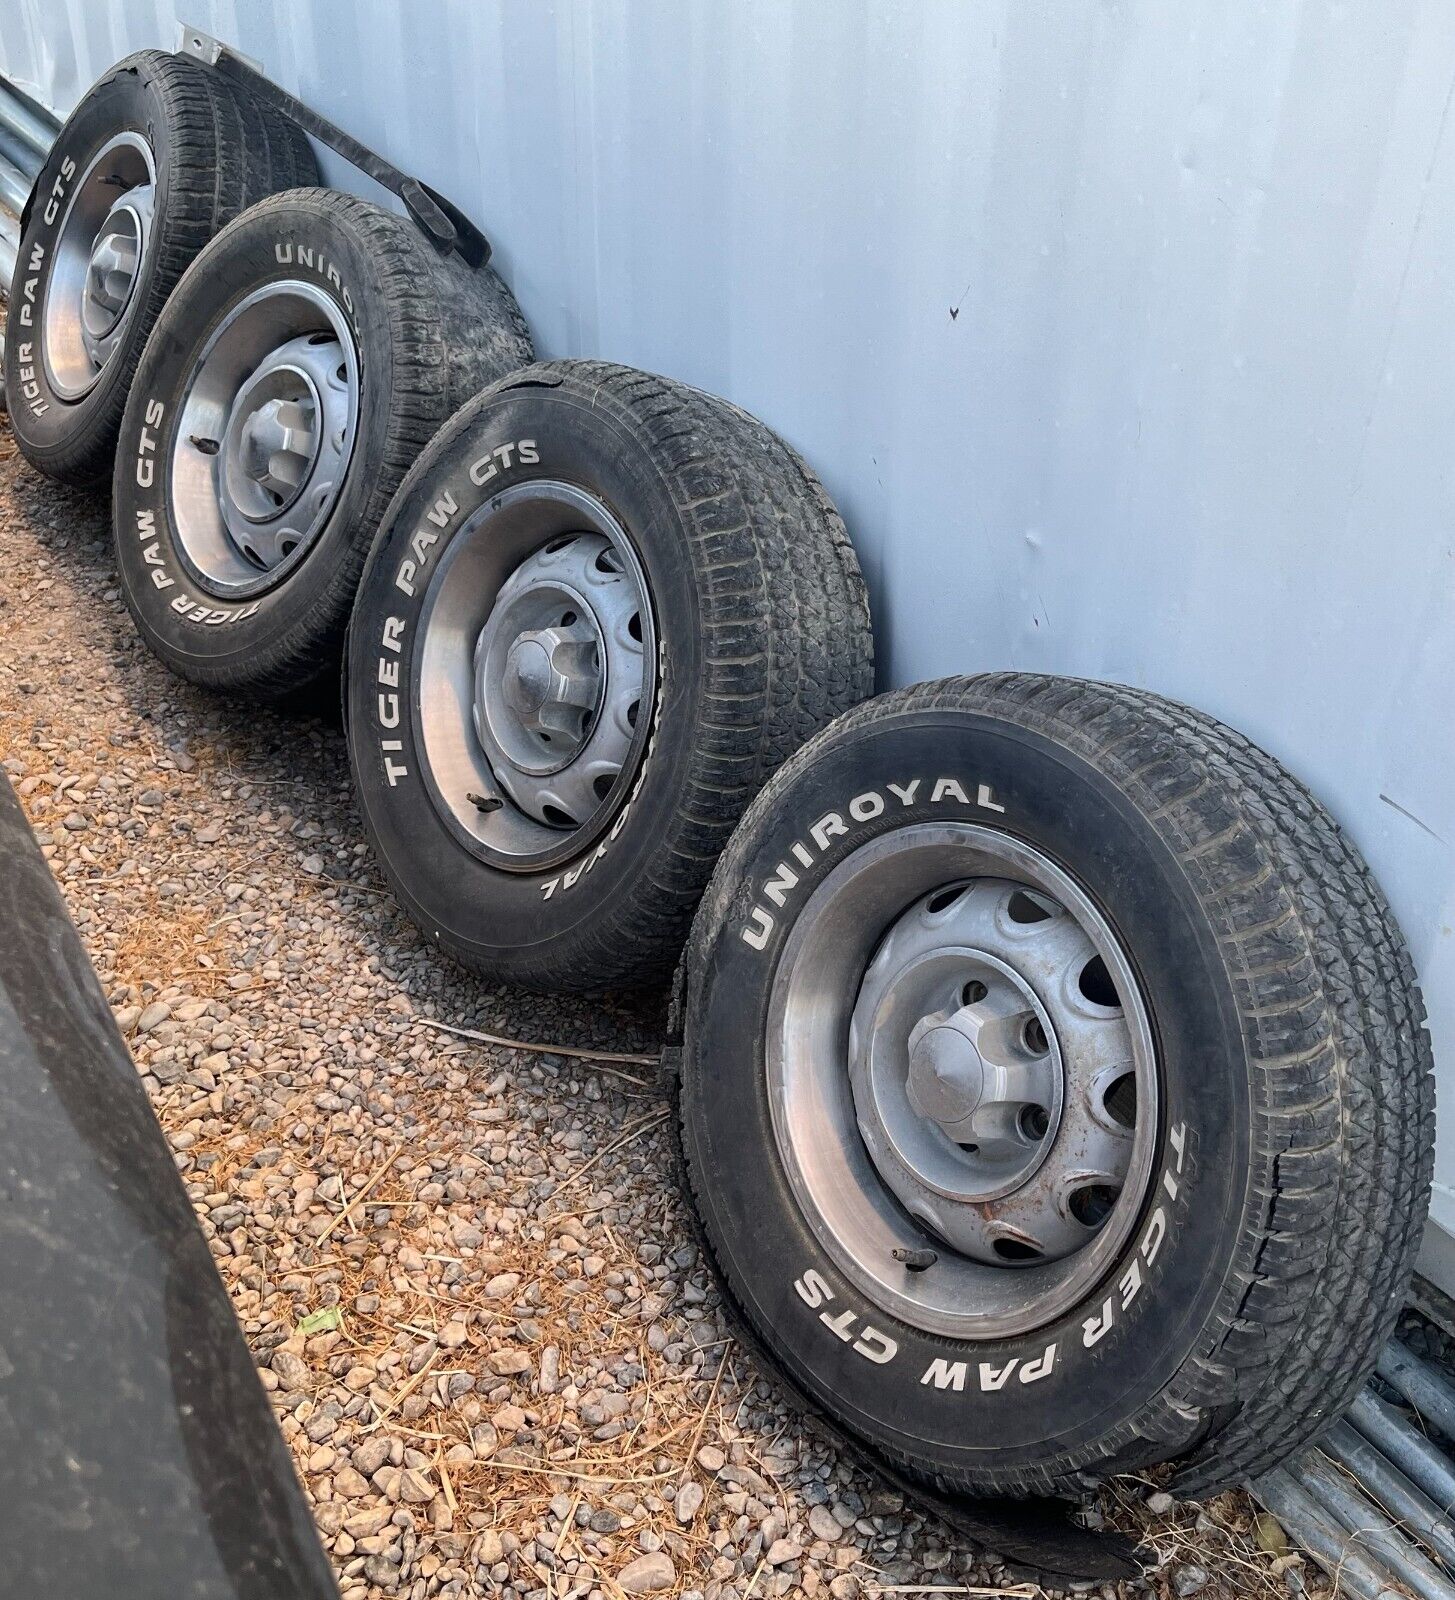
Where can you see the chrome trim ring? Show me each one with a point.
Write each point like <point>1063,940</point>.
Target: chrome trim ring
<point>264,436</point>
<point>535,674</point>
<point>941,983</point>
<point>101,246</point>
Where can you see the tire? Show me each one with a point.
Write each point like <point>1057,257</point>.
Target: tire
<point>723,557</point>
<point>1253,1265</point>
<point>215,151</point>
<point>240,572</point>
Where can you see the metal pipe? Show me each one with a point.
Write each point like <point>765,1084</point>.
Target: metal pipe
<point>1404,1501</point>
<point>1329,1544</point>
<point>1410,1451</point>
<point>19,154</point>
<point>9,246</point>
<point>26,122</point>
<point>14,186</point>
<point>1420,1384</point>
<point>1370,1527</point>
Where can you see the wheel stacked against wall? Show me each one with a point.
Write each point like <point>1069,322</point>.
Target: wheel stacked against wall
<point>1054,1090</point>
<point>601,610</point>
<point>305,359</point>
<point>160,154</point>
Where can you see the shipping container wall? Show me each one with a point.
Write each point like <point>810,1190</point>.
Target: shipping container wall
<point>1123,334</point>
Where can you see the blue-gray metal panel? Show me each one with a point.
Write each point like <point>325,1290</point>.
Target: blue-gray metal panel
<point>1121,333</point>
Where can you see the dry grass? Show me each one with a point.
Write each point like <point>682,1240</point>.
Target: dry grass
<point>1221,1535</point>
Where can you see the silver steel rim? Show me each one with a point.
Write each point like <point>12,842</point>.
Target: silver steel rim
<point>960,1070</point>
<point>100,249</point>
<point>264,438</point>
<point>535,674</point>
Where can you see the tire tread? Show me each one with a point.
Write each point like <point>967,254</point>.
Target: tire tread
<point>228,152</point>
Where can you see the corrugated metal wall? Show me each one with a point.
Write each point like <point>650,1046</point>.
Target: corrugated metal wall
<point>1122,333</point>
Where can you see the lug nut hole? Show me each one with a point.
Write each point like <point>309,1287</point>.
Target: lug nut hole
<point>1025,908</point>
<point>1120,1101</point>
<point>1091,1204</point>
<point>1034,1122</point>
<point>1096,985</point>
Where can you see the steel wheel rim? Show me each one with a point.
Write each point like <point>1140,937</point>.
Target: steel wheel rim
<point>101,247</point>
<point>517,789</point>
<point>263,438</point>
<point>824,1063</point>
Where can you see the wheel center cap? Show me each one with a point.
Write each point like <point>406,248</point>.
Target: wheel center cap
<point>537,696</point>
<point>278,445</point>
<point>946,1074</point>
<point>111,275</point>
<point>529,677</point>
<point>272,442</point>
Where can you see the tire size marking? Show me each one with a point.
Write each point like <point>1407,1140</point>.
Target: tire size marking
<point>861,808</point>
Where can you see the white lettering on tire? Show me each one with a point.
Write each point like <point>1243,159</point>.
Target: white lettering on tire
<point>846,1325</point>
<point>408,579</point>
<point>989,1377</point>
<point>1132,1280</point>
<point>831,825</point>
<point>289,252</point>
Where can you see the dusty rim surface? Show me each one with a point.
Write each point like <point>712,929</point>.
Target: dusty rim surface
<point>464,1271</point>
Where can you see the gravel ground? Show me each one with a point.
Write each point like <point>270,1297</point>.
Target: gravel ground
<point>464,1270</point>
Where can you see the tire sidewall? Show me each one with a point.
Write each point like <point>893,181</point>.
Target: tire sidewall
<point>44,420</point>
<point>515,920</point>
<point>193,627</point>
<point>1088,1377</point>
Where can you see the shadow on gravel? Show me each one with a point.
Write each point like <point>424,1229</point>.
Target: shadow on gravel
<point>297,756</point>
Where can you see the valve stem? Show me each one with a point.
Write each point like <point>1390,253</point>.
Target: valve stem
<point>916,1260</point>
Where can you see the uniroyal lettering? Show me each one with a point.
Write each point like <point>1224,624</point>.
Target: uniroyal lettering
<point>864,807</point>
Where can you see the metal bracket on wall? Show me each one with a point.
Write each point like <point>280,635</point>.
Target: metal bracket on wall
<point>443,223</point>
